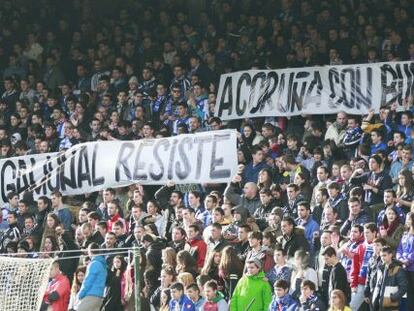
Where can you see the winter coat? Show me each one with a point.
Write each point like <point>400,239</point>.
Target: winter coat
<point>373,264</point>
<point>294,242</point>
<point>154,254</point>
<point>282,273</point>
<point>394,239</point>
<point>393,275</point>
<point>251,288</point>
<point>361,219</point>
<point>261,215</point>
<point>95,278</point>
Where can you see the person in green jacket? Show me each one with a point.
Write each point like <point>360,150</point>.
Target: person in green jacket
<point>253,291</point>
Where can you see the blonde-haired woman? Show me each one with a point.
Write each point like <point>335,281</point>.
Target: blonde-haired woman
<point>338,301</point>
<point>185,278</point>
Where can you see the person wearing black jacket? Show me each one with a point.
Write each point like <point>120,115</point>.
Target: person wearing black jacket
<point>153,252</point>
<point>374,182</point>
<point>264,209</point>
<point>373,264</point>
<point>166,278</point>
<point>12,234</point>
<point>68,260</point>
<point>337,277</point>
<point>44,207</point>
<point>169,200</point>
<point>390,274</point>
<point>113,301</point>
<point>292,238</point>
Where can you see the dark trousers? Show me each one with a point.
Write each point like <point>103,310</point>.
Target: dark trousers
<point>410,291</point>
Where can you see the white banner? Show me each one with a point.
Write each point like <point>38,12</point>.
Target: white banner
<point>207,157</point>
<point>314,90</point>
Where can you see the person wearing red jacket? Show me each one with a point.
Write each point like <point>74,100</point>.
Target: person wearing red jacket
<point>114,215</point>
<point>198,246</point>
<point>359,266</point>
<point>58,290</point>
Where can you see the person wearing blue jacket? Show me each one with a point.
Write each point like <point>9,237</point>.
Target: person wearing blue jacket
<point>91,294</point>
<point>282,301</point>
<point>179,301</point>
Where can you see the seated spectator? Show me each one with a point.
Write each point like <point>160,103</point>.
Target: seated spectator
<point>249,199</point>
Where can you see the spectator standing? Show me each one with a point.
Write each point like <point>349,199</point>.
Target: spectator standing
<point>58,290</point>
<point>252,291</point>
<point>405,254</point>
<point>359,267</point>
<point>337,277</point>
<point>180,301</point>
<point>391,282</point>
<point>62,211</point>
<point>78,278</point>
<point>91,293</point>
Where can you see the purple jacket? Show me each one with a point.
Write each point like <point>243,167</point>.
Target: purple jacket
<point>405,251</point>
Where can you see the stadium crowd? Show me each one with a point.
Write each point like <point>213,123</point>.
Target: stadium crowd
<point>320,214</point>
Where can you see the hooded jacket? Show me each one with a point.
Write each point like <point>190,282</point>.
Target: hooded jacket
<point>253,291</point>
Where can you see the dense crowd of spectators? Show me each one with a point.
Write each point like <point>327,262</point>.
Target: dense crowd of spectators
<point>320,213</point>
